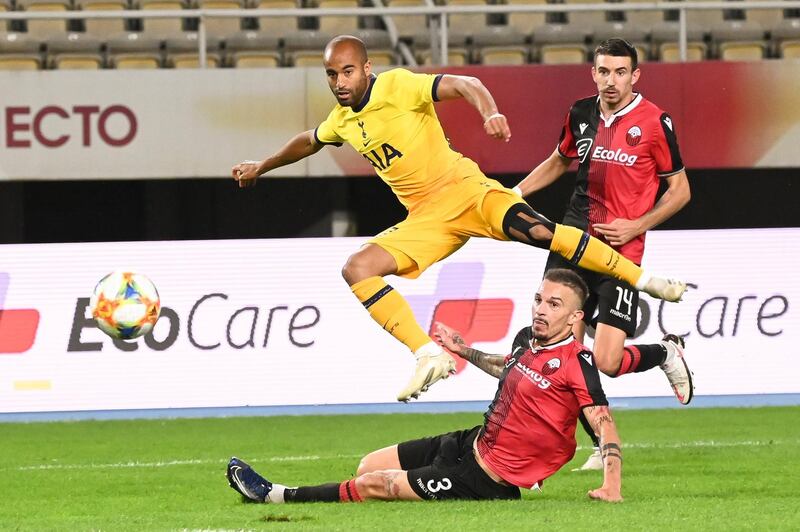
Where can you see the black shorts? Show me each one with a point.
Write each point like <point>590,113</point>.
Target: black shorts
<point>444,467</point>
<point>613,302</point>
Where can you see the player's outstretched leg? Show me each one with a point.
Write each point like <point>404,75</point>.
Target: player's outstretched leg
<point>363,272</point>
<point>519,222</point>
<point>666,354</point>
<point>381,485</point>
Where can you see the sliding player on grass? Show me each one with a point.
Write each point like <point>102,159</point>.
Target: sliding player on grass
<point>528,433</point>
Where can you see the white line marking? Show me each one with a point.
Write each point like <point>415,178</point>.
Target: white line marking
<point>314,458</point>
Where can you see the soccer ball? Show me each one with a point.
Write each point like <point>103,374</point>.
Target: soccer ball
<point>125,305</point>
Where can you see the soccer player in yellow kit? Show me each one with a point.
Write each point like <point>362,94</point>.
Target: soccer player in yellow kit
<point>391,121</point>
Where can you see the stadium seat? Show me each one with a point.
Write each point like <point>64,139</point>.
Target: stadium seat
<point>18,51</point>
<point>664,37</point>
<point>305,47</point>
<point>162,27</point>
<point>76,51</point>
<point>408,25</point>
<point>379,44</point>
<point>643,19</point>
<point>525,23</point>
<point>560,44</point>
<point>498,45</point>
<point>738,40</point>
<point>133,50</point>
<point>276,25</point>
<point>103,28</point>
<point>219,27</point>
<point>252,49</point>
<point>337,25</point>
<point>457,50</point>
<point>467,23</point>
<point>785,37</point>
<point>789,50</point>
<point>43,29</point>
<point>182,51</point>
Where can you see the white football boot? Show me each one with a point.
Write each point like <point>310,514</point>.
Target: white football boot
<point>433,364</point>
<point>676,370</point>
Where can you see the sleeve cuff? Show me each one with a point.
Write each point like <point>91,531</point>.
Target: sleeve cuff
<point>318,141</point>
<point>435,87</point>
<point>667,174</point>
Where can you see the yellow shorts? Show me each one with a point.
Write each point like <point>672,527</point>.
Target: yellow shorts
<point>443,222</point>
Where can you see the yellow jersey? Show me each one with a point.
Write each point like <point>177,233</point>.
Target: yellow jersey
<point>396,129</point>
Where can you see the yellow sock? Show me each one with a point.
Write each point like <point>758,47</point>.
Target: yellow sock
<point>391,311</point>
<point>590,253</point>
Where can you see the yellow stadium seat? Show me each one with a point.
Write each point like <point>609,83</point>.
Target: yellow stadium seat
<point>741,51</point>
<point>562,54</point>
<point>103,27</point>
<point>669,52</point>
<point>338,25</point>
<point>46,28</point>
<point>255,60</point>
<point>162,26</point>
<point>504,56</point>
<point>136,62</point>
<point>19,62</point>
<point>220,27</point>
<point>790,49</point>
<point>276,25</point>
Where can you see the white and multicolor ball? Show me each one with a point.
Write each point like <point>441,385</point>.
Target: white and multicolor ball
<point>125,305</point>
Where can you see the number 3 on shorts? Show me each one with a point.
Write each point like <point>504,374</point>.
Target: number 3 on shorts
<point>445,484</point>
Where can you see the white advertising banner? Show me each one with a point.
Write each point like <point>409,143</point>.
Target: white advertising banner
<point>159,124</point>
<point>271,322</point>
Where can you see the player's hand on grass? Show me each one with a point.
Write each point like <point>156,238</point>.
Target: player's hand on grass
<point>496,126</point>
<point>246,173</point>
<point>448,338</point>
<point>605,494</point>
<point>620,231</point>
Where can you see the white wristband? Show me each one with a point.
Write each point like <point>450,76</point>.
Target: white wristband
<point>493,116</point>
<point>517,191</point>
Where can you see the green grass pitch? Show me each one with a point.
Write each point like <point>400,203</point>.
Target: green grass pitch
<point>694,469</point>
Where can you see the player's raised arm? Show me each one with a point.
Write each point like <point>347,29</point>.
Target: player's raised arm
<point>299,147</point>
<point>471,89</point>
<point>452,340</point>
<point>544,174</point>
<point>602,423</point>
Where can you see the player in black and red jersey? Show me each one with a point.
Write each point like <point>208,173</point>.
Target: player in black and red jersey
<point>528,433</point>
<point>625,145</point>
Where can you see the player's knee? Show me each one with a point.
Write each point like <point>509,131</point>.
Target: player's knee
<point>607,365</point>
<point>355,269</point>
<point>377,485</point>
<point>365,465</point>
<point>523,224</point>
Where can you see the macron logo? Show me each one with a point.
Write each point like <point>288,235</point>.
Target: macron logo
<point>17,326</point>
<point>668,121</point>
<point>582,127</point>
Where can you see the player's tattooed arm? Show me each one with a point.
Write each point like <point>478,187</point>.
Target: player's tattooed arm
<point>452,340</point>
<point>602,423</point>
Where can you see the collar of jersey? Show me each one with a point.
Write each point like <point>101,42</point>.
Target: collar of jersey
<point>365,100</point>
<point>622,112</point>
<point>560,343</point>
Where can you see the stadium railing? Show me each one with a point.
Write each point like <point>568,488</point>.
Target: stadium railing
<point>438,14</point>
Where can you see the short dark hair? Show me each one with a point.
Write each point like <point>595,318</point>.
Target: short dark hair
<point>618,48</point>
<point>569,279</point>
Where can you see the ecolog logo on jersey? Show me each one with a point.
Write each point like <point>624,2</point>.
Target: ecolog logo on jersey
<point>455,303</point>
<point>17,326</point>
<point>614,156</point>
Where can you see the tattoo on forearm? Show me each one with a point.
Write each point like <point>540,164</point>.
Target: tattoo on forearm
<point>611,450</point>
<point>491,364</point>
